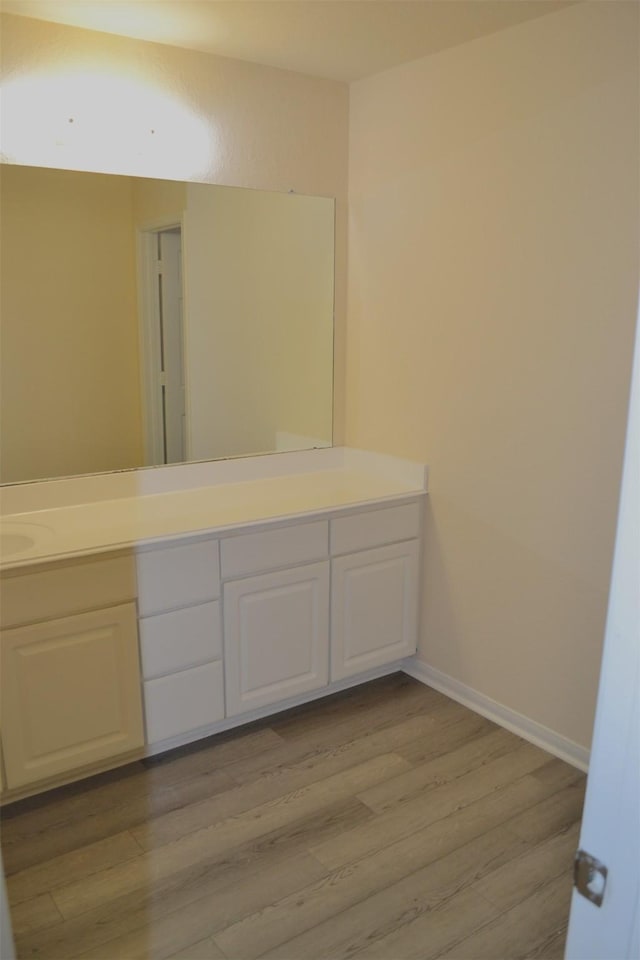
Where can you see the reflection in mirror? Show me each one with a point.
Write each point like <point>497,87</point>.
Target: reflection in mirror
<point>146,322</point>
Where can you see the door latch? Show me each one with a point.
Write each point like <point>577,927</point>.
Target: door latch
<point>589,877</point>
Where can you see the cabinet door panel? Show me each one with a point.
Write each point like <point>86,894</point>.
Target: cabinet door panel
<point>276,636</point>
<point>374,612</point>
<point>70,693</point>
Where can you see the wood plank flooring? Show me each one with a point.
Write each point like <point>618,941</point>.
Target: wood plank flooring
<point>384,822</point>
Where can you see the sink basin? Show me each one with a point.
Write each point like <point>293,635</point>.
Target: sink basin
<point>15,543</point>
<point>16,537</point>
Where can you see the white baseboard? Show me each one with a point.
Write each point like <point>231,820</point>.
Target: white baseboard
<point>523,726</point>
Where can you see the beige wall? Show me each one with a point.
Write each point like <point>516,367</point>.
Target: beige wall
<point>304,336</point>
<point>157,202</point>
<point>258,279</point>
<point>69,360</point>
<point>493,278</point>
<point>265,128</point>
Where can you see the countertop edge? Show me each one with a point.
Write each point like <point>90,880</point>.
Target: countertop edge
<point>23,563</point>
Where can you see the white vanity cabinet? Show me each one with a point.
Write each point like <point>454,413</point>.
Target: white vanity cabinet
<point>70,669</point>
<point>302,627</point>
<point>273,615</point>
<point>374,599</point>
<point>180,638</point>
<point>276,624</point>
<point>233,590</point>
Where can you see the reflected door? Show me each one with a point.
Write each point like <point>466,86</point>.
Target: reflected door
<point>171,337</point>
<point>162,340</point>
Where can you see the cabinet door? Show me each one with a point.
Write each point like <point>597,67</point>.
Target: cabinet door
<point>70,693</point>
<point>374,608</point>
<point>276,636</point>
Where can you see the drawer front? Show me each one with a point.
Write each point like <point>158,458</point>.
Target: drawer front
<point>375,528</point>
<point>184,638</point>
<point>184,702</point>
<point>286,546</point>
<point>59,591</point>
<point>177,576</point>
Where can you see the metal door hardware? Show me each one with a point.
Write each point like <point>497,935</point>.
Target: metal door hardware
<point>589,877</point>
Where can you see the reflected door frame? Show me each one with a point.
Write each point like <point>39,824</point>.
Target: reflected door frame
<point>162,366</point>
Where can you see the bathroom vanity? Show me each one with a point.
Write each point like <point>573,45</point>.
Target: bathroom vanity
<point>144,611</point>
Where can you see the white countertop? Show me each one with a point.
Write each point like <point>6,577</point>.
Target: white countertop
<point>332,480</point>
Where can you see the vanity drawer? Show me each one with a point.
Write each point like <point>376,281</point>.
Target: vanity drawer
<point>375,528</point>
<point>181,639</point>
<point>177,576</point>
<point>284,547</point>
<point>184,701</point>
<point>66,588</point>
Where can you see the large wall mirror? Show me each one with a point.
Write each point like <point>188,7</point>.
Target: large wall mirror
<point>146,322</point>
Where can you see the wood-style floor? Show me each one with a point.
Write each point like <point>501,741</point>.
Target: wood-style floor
<point>385,822</point>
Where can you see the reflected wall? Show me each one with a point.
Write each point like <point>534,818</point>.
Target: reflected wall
<point>257,317</point>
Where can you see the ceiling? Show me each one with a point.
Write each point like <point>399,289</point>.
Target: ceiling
<point>337,39</point>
